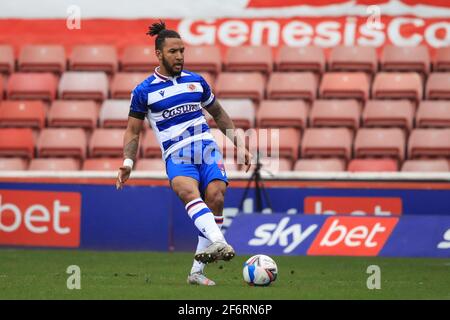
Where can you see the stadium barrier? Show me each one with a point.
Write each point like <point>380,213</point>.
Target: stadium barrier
<point>84,210</point>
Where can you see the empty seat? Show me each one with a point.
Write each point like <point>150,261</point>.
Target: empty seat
<point>6,59</point>
<point>123,84</point>
<point>83,85</point>
<point>426,165</point>
<point>350,85</point>
<point>320,165</point>
<point>13,164</point>
<point>209,78</point>
<point>139,58</point>
<point>16,143</point>
<point>274,165</point>
<point>54,164</point>
<point>442,59</point>
<point>25,113</point>
<point>283,142</point>
<point>385,143</point>
<point>73,113</point>
<point>106,143</point>
<point>389,113</point>
<point>151,165</point>
<point>240,85</point>
<point>203,59</point>
<point>39,58</point>
<point>241,111</point>
<point>438,86</point>
<point>327,142</point>
<point>282,113</point>
<point>335,113</point>
<point>415,59</point>
<point>1,88</point>
<point>249,58</point>
<point>353,58</point>
<point>102,164</point>
<point>309,58</point>
<point>433,113</point>
<point>93,58</point>
<point>429,143</point>
<point>292,85</point>
<point>397,85</point>
<point>58,142</point>
<point>150,146</point>
<point>32,86</point>
<point>114,113</point>
<point>373,165</point>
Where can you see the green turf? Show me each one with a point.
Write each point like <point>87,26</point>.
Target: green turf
<point>39,274</point>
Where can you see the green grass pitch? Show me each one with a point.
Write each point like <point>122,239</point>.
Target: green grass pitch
<point>41,274</point>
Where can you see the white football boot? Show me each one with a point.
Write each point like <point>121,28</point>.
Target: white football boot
<point>199,278</point>
<point>216,251</point>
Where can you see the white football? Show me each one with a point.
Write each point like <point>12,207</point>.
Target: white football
<point>260,270</point>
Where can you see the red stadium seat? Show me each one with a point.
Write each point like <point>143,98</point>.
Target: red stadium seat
<point>114,113</point>
<point>353,58</point>
<point>426,165</point>
<point>58,142</point>
<point>240,85</point>
<point>83,85</point>
<point>17,143</point>
<point>249,58</point>
<point>292,85</point>
<point>282,113</point>
<point>209,78</point>
<point>373,165</point>
<point>241,111</point>
<point>1,88</point>
<point>335,113</point>
<point>273,165</point>
<point>150,147</point>
<point>433,114</point>
<point>414,59</point>
<point>203,59</point>
<point>300,59</point>
<point>123,84</point>
<point>389,113</point>
<point>93,58</point>
<point>32,86</point>
<point>400,85</point>
<point>327,142</point>
<point>151,165</point>
<point>6,59</point>
<point>25,113</point>
<point>349,85</point>
<point>385,143</point>
<point>106,143</point>
<point>320,165</point>
<point>102,164</point>
<point>39,58</point>
<point>54,164</point>
<point>73,113</point>
<point>438,86</point>
<point>442,59</point>
<point>13,164</point>
<point>139,58</point>
<point>283,142</point>
<point>429,143</point>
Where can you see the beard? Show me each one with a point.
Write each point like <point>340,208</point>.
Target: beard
<point>170,69</point>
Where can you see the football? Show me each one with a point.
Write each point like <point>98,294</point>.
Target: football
<point>260,270</point>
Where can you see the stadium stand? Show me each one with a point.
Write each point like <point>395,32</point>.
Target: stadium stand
<point>106,143</point>
<point>240,85</point>
<point>397,85</point>
<point>149,145</point>
<point>433,114</point>
<point>389,113</point>
<point>16,142</point>
<point>372,165</point>
<point>335,113</point>
<point>150,165</point>
<point>32,86</point>
<point>309,58</point>
<point>102,164</point>
<point>349,85</point>
<point>114,113</point>
<point>292,85</point>
<point>426,165</point>
<point>54,164</point>
<point>282,113</point>
<point>414,59</point>
<point>203,59</point>
<point>327,142</point>
<point>138,58</point>
<point>320,165</point>
<point>425,143</point>
<point>380,142</point>
<point>11,164</point>
<point>6,59</point>
<point>62,142</point>
<point>123,83</point>
<point>23,113</point>
<point>73,113</point>
<point>94,58</point>
<point>249,58</point>
<point>264,142</point>
<point>353,58</point>
<point>438,86</point>
<point>42,58</point>
<point>442,60</point>
<point>83,85</point>
<point>241,111</point>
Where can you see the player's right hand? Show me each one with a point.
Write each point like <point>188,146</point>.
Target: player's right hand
<point>122,176</point>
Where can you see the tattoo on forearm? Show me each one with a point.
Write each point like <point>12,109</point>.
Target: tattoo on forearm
<point>131,148</point>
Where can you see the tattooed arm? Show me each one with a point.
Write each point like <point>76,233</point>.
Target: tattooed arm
<point>130,148</point>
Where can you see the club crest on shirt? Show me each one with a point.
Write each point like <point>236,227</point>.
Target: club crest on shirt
<point>191,87</point>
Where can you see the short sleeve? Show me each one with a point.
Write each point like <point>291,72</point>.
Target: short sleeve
<point>138,107</point>
<point>208,97</point>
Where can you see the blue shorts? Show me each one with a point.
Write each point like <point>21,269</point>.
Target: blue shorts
<point>201,160</point>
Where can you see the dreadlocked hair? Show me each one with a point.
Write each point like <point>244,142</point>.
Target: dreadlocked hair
<point>159,30</point>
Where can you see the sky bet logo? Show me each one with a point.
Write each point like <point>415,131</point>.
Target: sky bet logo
<point>37,218</point>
